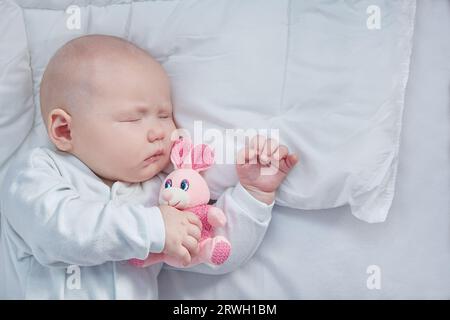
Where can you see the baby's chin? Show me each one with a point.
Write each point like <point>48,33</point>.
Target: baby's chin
<point>151,171</point>
<point>143,173</point>
<point>139,178</point>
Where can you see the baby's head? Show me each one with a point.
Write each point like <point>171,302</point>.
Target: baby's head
<point>108,103</point>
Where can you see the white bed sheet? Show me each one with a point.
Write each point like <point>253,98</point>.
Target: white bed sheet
<point>327,254</point>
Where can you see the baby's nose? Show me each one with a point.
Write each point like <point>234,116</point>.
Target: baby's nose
<point>155,133</point>
<point>167,195</point>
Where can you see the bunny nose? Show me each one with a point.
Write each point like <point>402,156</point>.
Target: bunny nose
<point>167,195</point>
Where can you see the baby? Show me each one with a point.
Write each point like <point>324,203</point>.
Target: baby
<point>72,217</point>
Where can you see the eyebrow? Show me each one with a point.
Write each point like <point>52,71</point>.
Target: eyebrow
<point>142,110</point>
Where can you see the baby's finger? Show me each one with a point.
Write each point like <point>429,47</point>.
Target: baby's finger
<point>184,256</point>
<point>194,231</point>
<point>192,218</point>
<point>269,148</point>
<point>274,158</point>
<point>281,153</point>
<point>243,153</point>
<point>240,158</point>
<point>257,143</point>
<point>245,156</point>
<point>292,160</point>
<point>288,162</point>
<point>191,245</point>
<point>251,157</point>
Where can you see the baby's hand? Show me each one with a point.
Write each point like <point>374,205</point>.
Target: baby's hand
<point>183,230</point>
<point>262,166</point>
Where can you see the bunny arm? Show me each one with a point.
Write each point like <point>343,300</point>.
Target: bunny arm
<point>216,217</point>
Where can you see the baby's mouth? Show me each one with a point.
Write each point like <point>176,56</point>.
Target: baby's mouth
<point>153,158</point>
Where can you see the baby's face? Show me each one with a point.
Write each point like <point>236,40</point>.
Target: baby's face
<point>125,132</point>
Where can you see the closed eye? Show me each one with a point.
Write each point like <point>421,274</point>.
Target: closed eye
<point>131,120</point>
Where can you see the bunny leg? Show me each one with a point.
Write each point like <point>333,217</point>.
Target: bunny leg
<point>216,217</point>
<point>215,250</point>
<point>204,252</point>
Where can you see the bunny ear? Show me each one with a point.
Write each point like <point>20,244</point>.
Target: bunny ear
<point>180,152</point>
<point>202,157</point>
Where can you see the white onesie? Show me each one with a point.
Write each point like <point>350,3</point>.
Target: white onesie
<point>66,235</point>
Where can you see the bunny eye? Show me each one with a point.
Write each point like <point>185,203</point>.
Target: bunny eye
<point>184,185</point>
<point>168,183</point>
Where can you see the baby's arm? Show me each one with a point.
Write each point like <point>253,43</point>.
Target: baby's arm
<point>247,222</point>
<point>61,228</point>
<point>262,166</point>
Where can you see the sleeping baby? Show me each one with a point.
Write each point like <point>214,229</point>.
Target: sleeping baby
<point>90,204</point>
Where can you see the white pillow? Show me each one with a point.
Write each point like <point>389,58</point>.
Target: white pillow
<point>316,71</point>
<point>16,95</point>
<point>333,86</point>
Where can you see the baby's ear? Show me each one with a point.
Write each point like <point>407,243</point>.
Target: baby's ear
<point>180,153</point>
<point>59,129</point>
<point>202,157</point>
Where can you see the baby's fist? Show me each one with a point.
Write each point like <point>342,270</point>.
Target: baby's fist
<point>262,165</point>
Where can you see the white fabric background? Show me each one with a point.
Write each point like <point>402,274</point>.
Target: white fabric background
<point>326,255</point>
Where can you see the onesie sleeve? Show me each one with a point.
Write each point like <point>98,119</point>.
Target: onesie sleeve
<point>59,227</point>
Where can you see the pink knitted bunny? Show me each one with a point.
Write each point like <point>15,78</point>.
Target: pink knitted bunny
<point>185,189</point>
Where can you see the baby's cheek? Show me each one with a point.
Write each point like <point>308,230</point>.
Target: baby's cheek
<point>165,161</point>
